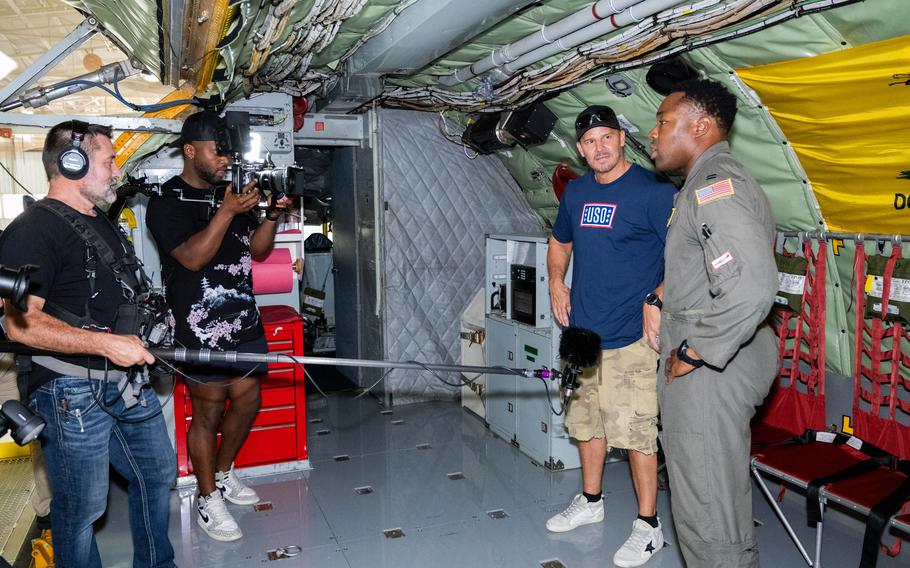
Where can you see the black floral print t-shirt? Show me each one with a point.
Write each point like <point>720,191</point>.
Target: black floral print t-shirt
<point>214,307</point>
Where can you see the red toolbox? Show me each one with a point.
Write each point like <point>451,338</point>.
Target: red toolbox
<point>279,432</point>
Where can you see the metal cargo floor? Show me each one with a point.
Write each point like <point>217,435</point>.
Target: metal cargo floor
<point>408,459</point>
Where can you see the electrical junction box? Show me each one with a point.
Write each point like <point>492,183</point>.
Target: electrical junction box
<point>517,286</point>
<point>519,409</point>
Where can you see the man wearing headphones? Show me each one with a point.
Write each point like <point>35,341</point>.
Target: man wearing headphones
<point>206,261</point>
<point>72,309</point>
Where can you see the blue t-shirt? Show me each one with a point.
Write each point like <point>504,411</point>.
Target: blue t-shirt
<point>617,231</point>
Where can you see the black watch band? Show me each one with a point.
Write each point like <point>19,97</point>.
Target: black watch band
<point>653,299</point>
<point>683,355</point>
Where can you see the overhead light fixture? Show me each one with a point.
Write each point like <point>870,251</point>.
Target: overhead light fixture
<point>529,126</point>
<point>7,65</point>
<point>483,134</point>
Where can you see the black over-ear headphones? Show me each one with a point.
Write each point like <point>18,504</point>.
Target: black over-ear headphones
<point>73,162</point>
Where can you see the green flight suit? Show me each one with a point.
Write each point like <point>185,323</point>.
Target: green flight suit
<point>719,284</point>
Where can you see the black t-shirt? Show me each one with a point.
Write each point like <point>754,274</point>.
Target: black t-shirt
<point>42,238</point>
<point>214,307</point>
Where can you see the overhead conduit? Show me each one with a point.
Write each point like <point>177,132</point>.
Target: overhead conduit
<point>630,15</point>
<point>585,25</point>
<point>698,24</point>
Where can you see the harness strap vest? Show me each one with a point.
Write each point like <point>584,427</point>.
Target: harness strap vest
<point>126,269</point>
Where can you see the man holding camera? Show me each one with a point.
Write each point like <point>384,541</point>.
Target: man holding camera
<point>78,304</point>
<point>207,271</point>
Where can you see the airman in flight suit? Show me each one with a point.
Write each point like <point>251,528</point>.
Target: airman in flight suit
<point>720,358</point>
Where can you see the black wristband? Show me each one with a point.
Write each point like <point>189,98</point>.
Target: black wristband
<point>274,218</point>
<point>653,299</point>
<point>683,355</point>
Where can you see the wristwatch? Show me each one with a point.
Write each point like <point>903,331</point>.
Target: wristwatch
<point>683,355</point>
<point>653,299</point>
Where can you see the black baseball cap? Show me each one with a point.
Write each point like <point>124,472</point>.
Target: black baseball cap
<point>594,116</point>
<point>203,126</point>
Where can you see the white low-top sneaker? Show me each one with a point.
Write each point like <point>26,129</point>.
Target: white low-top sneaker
<point>235,490</point>
<point>579,512</point>
<point>212,515</point>
<point>642,544</point>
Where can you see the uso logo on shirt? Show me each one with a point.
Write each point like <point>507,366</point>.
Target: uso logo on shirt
<point>599,215</point>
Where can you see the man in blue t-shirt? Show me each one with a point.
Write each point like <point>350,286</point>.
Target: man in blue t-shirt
<point>614,221</point>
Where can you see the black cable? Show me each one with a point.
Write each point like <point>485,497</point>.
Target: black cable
<point>466,382</point>
<point>10,174</point>
<point>370,388</point>
<point>99,399</point>
<point>546,389</point>
<point>440,379</point>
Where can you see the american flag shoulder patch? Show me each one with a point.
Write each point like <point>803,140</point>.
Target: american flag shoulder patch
<point>715,191</point>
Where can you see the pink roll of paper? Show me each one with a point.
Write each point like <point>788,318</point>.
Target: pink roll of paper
<point>278,255</point>
<point>272,278</point>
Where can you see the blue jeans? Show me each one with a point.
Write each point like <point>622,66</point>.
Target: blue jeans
<point>79,443</point>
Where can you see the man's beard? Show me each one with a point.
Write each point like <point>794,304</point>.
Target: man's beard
<point>100,196</point>
<point>210,176</point>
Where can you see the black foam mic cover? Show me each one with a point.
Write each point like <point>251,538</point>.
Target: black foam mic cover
<point>579,347</point>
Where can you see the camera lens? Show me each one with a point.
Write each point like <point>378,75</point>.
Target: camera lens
<point>14,283</point>
<point>23,423</point>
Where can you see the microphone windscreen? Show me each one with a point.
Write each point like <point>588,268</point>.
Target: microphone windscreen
<point>579,346</point>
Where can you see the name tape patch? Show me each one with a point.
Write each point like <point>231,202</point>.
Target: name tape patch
<point>598,215</point>
<point>722,260</point>
<point>715,191</point>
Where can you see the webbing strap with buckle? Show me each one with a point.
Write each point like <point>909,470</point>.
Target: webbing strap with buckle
<point>880,515</point>
<point>877,458</point>
<point>813,490</point>
<point>124,266</point>
<point>71,370</point>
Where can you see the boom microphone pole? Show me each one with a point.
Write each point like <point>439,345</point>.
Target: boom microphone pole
<point>578,348</point>
<point>182,355</point>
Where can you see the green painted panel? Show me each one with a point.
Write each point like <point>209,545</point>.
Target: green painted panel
<point>352,30</point>
<point>134,25</point>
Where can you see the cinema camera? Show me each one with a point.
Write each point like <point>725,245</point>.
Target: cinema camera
<point>277,182</point>
<point>14,416</point>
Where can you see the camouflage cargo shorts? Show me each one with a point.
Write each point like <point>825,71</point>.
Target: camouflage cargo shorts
<point>617,400</point>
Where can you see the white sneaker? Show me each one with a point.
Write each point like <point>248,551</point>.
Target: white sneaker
<point>642,544</point>
<point>579,512</point>
<point>233,489</point>
<point>212,515</point>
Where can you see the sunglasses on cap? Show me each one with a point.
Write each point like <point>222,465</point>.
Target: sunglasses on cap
<point>599,118</point>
